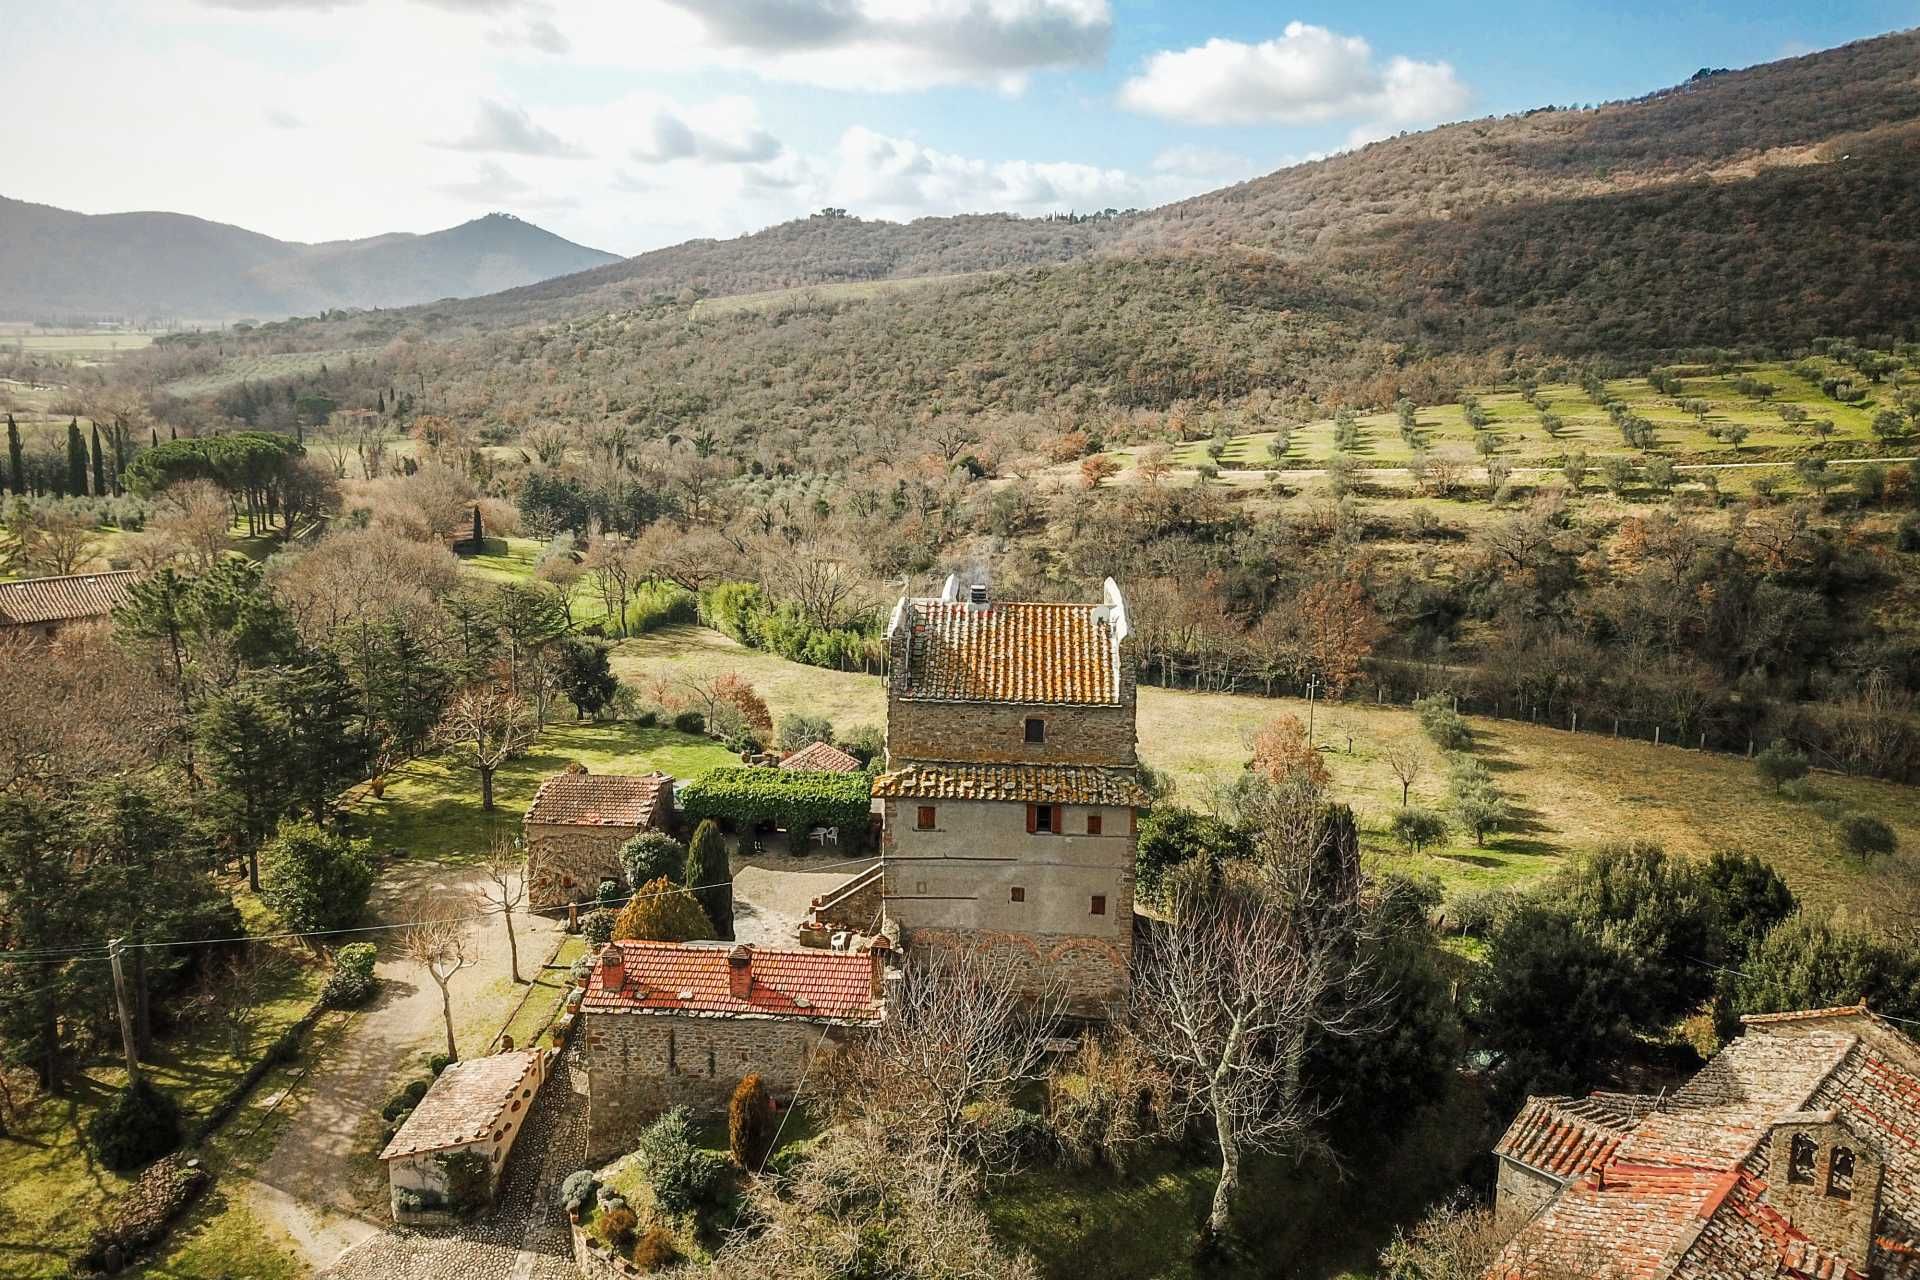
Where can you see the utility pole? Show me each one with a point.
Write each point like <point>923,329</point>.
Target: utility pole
<point>1310,683</point>
<point>126,1018</point>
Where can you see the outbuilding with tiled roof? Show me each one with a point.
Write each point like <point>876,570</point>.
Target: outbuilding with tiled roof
<point>676,1023</point>
<point>575,826</point>
<point>477,1105</point>
<point>1794,1152</point>
<point>821,757</point>
<point>41,606</point>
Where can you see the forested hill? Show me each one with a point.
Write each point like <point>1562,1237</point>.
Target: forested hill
<point>60,265</point>
<point>1463,214</point>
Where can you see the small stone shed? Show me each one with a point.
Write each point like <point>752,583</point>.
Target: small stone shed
<point>41,607</point>
<point>673,1023</point>
<point>478,1105</point>
<point>576,825</point>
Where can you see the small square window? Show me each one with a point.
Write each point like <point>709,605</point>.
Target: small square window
<point>1017,894</point>
<point>1093,824</point>
<point>924,819</point>
<point>1036,729</point>
<point>1099,904</point>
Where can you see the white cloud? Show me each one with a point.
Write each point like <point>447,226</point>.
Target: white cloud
<point>1307,75</point>
<point>506,128</point>
<point>671,137</point>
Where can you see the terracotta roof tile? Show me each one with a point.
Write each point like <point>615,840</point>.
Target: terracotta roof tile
<point>465,1103</point>
<point>599,800</point>
<point>1019,651</point>
<point>65,599</point>
<point>691,978</point>
<point>1565,1137</point>
<point>821,757</point>
<point>1035,783</point>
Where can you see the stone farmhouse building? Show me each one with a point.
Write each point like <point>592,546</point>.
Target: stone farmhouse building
<point>476,1105</point>
<point>576,825</point>
<point>40,607</point>
<point>821,757</point>
<point>664,1024</point>
<point>1795,1152</point>
<point>1011,795</point>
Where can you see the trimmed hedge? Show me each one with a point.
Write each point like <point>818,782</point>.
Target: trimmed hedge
<point>143,1215</point>
<point>788,798</point>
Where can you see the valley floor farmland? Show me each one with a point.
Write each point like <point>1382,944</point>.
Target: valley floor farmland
<point>1569,791</point>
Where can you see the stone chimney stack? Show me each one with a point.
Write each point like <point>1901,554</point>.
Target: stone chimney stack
<point>740,972</point>
<point>977,598</point>
<point>613,966</point>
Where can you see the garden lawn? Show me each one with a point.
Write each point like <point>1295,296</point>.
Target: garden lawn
<point>1569,791</point>
<point>52,1194</point>
<point>431,808</point>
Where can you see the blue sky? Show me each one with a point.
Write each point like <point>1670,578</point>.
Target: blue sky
<point>628,124</point>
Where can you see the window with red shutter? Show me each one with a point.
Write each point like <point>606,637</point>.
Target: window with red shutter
<point>1099,904</point>
<point>924,819</point>
<point>1093,824</point>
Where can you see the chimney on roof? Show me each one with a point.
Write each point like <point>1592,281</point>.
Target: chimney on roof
<point>976,597</point>
<point>740,972</point>
<point>613,966</point>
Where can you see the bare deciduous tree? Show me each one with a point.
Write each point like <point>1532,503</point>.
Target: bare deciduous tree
<point>506,889</point>
<point>959,1039</point>
<point>1235,987</point>
<point>438,943</point>
<point>489,724</point>
<point>1407,762</point>
<point>197,515</point>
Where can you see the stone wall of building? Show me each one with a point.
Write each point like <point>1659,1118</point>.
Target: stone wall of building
<point>639,1065</point>
<point>567,863</point>
<point>1092,973</point>
<point>1817,1207</point>
<point>1521,1192</point>
<point>995,733</point>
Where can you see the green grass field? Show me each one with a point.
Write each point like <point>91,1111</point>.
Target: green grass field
<point>52,1194</point>
<point>1569,791</point>
<point>86,343</point>
<point>1523,442</point>
<point>431,807</point>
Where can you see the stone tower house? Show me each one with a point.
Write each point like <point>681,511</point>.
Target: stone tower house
<point>1012,790</point>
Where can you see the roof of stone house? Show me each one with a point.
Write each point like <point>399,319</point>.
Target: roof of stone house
<point>464,1104</point>
<point>1565,1137</point>
<point>821,757</point>
<point>1034,783</point>
<point>598,800</point>
<point>689,978</point>
<point>1013,651</point>
<point>63,599</point>
<point>1682,1194</point>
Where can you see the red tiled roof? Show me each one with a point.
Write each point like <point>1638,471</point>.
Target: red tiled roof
<point>465,1102</point>
<point>598,800</point>
<point>1019,651</point>
<point>690,978</point>
<point>1037,783</point>
<point>821,757</point>
<point>80,595</point>
<point>1565,1137</point>
<point>1803,1015</point>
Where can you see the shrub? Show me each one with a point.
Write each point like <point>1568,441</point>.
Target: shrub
<point>286,1048</point>
<point>617,1226</point>
<point>661,604</point>
<point>784,797</point>
<point>398,1105</point>
<point>1416,828</point>
<point>141,1124</point>
<point>655,1249</point>
<point>1781,763</point>
<point>577,1192</point>
<point>608,895</point>
<point>1172,836</point>
<point>650,855</point>
<point>1443,724</point>
<point>1749,897</point>
<point>598,926</point>
<point>1908,538</point>
<point>662,911</point>
<point>352,983</point>
<point>750,1125</point>
<point>1109,1104</point>
<point>865,743</point>
<point>682,1174</point>
<point>315,880</point>
<point>469,1181</point>
<point>416,1090</point>
<point>438,1062</point>
<point>1810,962</point>
<point>1866,836</point>
<point>690,722</point>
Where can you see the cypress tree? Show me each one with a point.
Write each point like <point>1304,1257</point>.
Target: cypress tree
<point>76,460</point>
<point>479,532</point>
<point>155,431</point>
<point>99,465</point>
<point>16,460</point>
<point>707,866</point>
